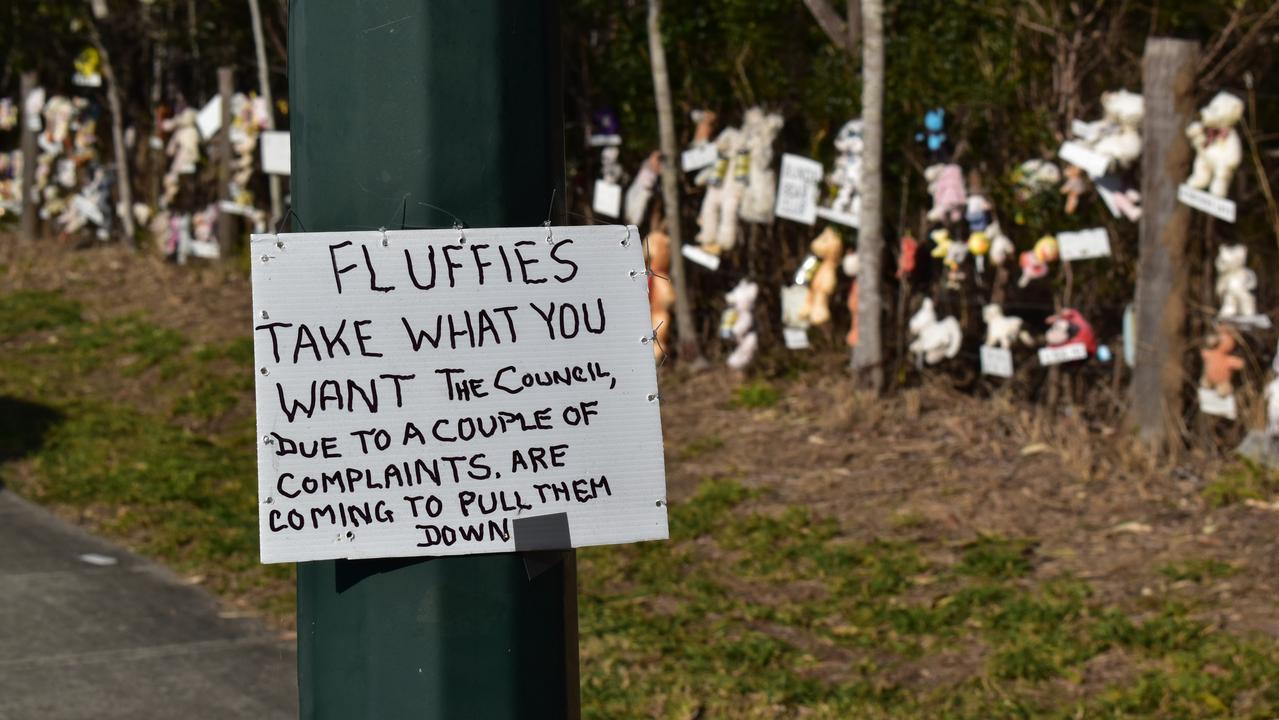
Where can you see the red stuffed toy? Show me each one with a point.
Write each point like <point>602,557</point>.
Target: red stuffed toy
<point>1067,327</point>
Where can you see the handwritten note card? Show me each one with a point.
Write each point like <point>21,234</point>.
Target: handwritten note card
<point>797,189</point>
<point>443,393</point>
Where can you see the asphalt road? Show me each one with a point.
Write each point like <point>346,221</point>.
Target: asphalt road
<point>83,638</point>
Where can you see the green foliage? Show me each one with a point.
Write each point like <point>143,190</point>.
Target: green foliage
<point>1242,480</point>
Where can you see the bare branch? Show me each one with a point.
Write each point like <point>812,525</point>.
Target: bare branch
<point>834,27</point>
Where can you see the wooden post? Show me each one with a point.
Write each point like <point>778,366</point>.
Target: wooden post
<point>868,358</point>
<point>30,216</point>
<point>1168,81</point>
<point>226,221</point>
<point>123,179</point>
<point>264,87</point>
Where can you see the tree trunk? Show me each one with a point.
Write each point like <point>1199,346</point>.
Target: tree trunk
<point>868,353</point>
<point>124,188</point>
<point>226,221</point>
<point>686,331</point>
<point>264,87</point>
<point>30,214</point>
<point>1168,83</point>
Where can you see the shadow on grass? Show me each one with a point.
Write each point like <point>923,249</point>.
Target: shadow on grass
<point>23,426</point>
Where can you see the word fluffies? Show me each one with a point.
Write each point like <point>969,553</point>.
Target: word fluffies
<point>1220,364</point>
<point>641,189</point>
<point>1002,330</point>
<point>846,178</point>
<point>1117,135</point>
<point>1217,147</point>
<point>934,340</point>
<point>827,247</point>
<point>1067,327</point>
<point>1235,282</point>
<point>661,294</point>
<point>761,185</point>
<point>851,266</point>
<point>946,185</point>
<point>1034,262</point>
<point>741,301</point>
<point>718,217</point>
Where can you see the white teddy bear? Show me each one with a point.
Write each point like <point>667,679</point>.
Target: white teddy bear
<point>1117,135</point>
<point>741,325</point>
<point>718,217</point>
<point>1217,147</point>
<point>847,175</point>
<point>934,340</point>
<point>1235,282</point>
<point>1003,330</point>
<point>761,188</point>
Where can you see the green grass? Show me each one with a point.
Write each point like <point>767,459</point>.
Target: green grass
<point>1242,480</point>
<point>756,394</point>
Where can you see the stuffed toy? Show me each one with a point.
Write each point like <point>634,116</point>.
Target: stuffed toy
<point>1033,177</point>
<point>1067,327</point>
<point>641,189</point>
<point>1117,135</point>
<point>1272,408</point>
<point>933,340</point>
<point>1235,282</point>
<point>244,142</point>
<point>740,319</point>
<point>184,148</point>
<point>978,246</point>
<point>661,293</point>
<point>1034,262</point>
<point>610,168</point>
<point>827,247</point>
<point>946,185</point>
<point>906,256</point>
<point>703,134</point>
<point>761,184</point>
<point>1220,364</point>
<point>851,266</point>
<point>718,217</point>
<point>1001,248</point>
<point>934,135</point>
<point>58,113</point>
<point>1217,147</point>
<point>846,178</point>
<point>977,212</point>
<point>8,114</point>
<point>1073,188</point>
<point>1002,331</point>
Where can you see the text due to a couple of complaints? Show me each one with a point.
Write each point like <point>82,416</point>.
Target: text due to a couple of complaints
<point>446,392</point>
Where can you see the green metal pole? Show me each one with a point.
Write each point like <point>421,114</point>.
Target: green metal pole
<point>397,105</point>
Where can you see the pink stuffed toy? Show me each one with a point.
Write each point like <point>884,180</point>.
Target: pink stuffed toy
<point>946,184</point>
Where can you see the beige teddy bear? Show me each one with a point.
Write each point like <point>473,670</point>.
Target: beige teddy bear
<point>1217,147</point>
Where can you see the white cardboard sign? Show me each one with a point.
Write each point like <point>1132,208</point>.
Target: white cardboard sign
<point>277,156</point>
<point>842,218</point>
<point>701,257</point>
<point>797,189</point>
<point>698,157</point>
<point>1210,403</point>
<point>1069,352</point>
<point>431,392</point>
<point>209,120</point>
<point>1084,157</point>
<point>608,198</point>
<point>1218,207</point>
<point>1084,245</point>
<point>996,361</point>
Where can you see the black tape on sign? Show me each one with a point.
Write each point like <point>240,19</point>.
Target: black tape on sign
<point>542,532</point>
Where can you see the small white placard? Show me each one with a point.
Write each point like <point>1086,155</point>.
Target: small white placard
<point>1218,207</point>
<point>605,140</point>
<point>996,361</point>
<point>420,394</point>
<point>206,249</point>
<point>1084,245</point>
<point>797,189</point>
<point>1210,403</point>
<point>1260,322</point>
<point>82,80</point>
<point>1069,352</point>
<point>1084,157</point>
<point>847,219</point>
<point>209,119</point>
<point>698,157</point>
<point>701,257</point>
<point>608,198</point>
<point>795,338</point>
<point>276,154</point>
